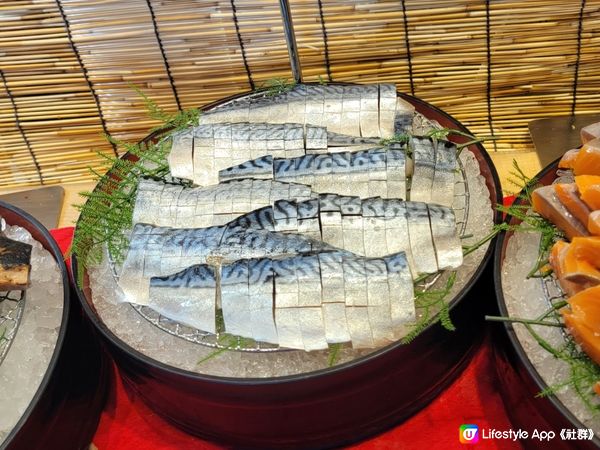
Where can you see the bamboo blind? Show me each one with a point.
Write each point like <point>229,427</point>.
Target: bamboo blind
<point>67,66</point>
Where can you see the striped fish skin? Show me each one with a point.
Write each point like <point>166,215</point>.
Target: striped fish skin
<point>446,166</point>
<point>199,153</point>
<point>423,155</point>
<point>189,297</point>
<point>200,207</point>
<point>448,248</point>
<point>288,301</point>
<point>421,241</point>
<point>433,170</point>
<point>367,173</point>
<point>372,227</point>
<point>355,110</point>
<point>181,157</point>
<point>159,251</point>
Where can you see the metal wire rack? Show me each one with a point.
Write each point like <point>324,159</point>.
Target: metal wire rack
<point>11,309</point>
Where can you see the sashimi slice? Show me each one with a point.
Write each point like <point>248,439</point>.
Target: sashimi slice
<point>580,261</point>
<point>589,189</point>
<point>569,196</point>
<point>590,132</point>
<point>588,159</point>
<point>583,320</point>
<point>546,203</point>
<point>556,257</point>
<point>568,159</point>
<point>594,223</point>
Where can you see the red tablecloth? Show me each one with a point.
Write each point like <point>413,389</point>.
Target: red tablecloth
<point>126,423</point>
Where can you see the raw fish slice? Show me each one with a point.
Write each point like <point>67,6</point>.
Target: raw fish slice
<point>378,299</point>
<point>396,172</point>
<point>400,283</point>
<point>316,139</point>
<point>260,299</point>
<point>568,195</point>
<point>369,111</point>
<point>546,203</point>
<point>260,289</point>
<point>188,297</point>
<point>342,140</point>
<point>196,206</point>
<point>581,261</point>
<point>442,191</point>
<point>256,168</point>
<point>235,298</point>
<point>403,120</point>
<point>589,189</point>
<point>590,132</point>
<point>181,155</point>
<point>387,110</point>
<point>594,223</point>
<point>312,328</point>
<point>448,249</point>
<point>336,107</point>
<point>181,248</point>
<point>588,159</point>
<point>568,159</point>
<point>421,243</point>
<point>423,155</point>
<point>582,318</point>
<point>556,259</point>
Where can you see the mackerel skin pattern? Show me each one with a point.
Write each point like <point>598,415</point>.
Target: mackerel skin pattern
<point>358,110</point>
<point>366,173</point>
<point>287,301</point>
<point>169,205</point>
<point>372,227</point>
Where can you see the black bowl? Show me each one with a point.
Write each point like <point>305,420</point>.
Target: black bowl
<point>519,381</point>
<point>66,408</point>
<point>324,408</point>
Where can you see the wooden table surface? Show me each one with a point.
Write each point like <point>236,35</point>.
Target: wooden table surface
<point>528,161</point>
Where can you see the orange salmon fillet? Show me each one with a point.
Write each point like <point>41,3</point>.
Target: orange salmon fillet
<point>588,159</point>
<point>582,319</point>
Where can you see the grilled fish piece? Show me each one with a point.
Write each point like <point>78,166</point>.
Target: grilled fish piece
<point>364,173</point>
<point>265,299</point>
<point>170,205</point>
<point>356,110</point>
<point>15,267</point>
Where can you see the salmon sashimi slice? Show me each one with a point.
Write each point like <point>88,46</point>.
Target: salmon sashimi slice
<point>580,261</point>
<point>546,203</point>
<point>589,190</point>
<point>568,194</point>
<point>568,159</point>
<point>588,159</point>
<point>594,223</point>
<point>590,132</point>
<point>556,257</point>
<point>582,319</point>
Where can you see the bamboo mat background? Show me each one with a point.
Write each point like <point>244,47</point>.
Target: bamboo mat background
<point>66,66</point>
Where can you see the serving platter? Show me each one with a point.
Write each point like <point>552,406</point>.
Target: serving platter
<point>54,374</point>
<point>526,369</point>
<point>298,406</point>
